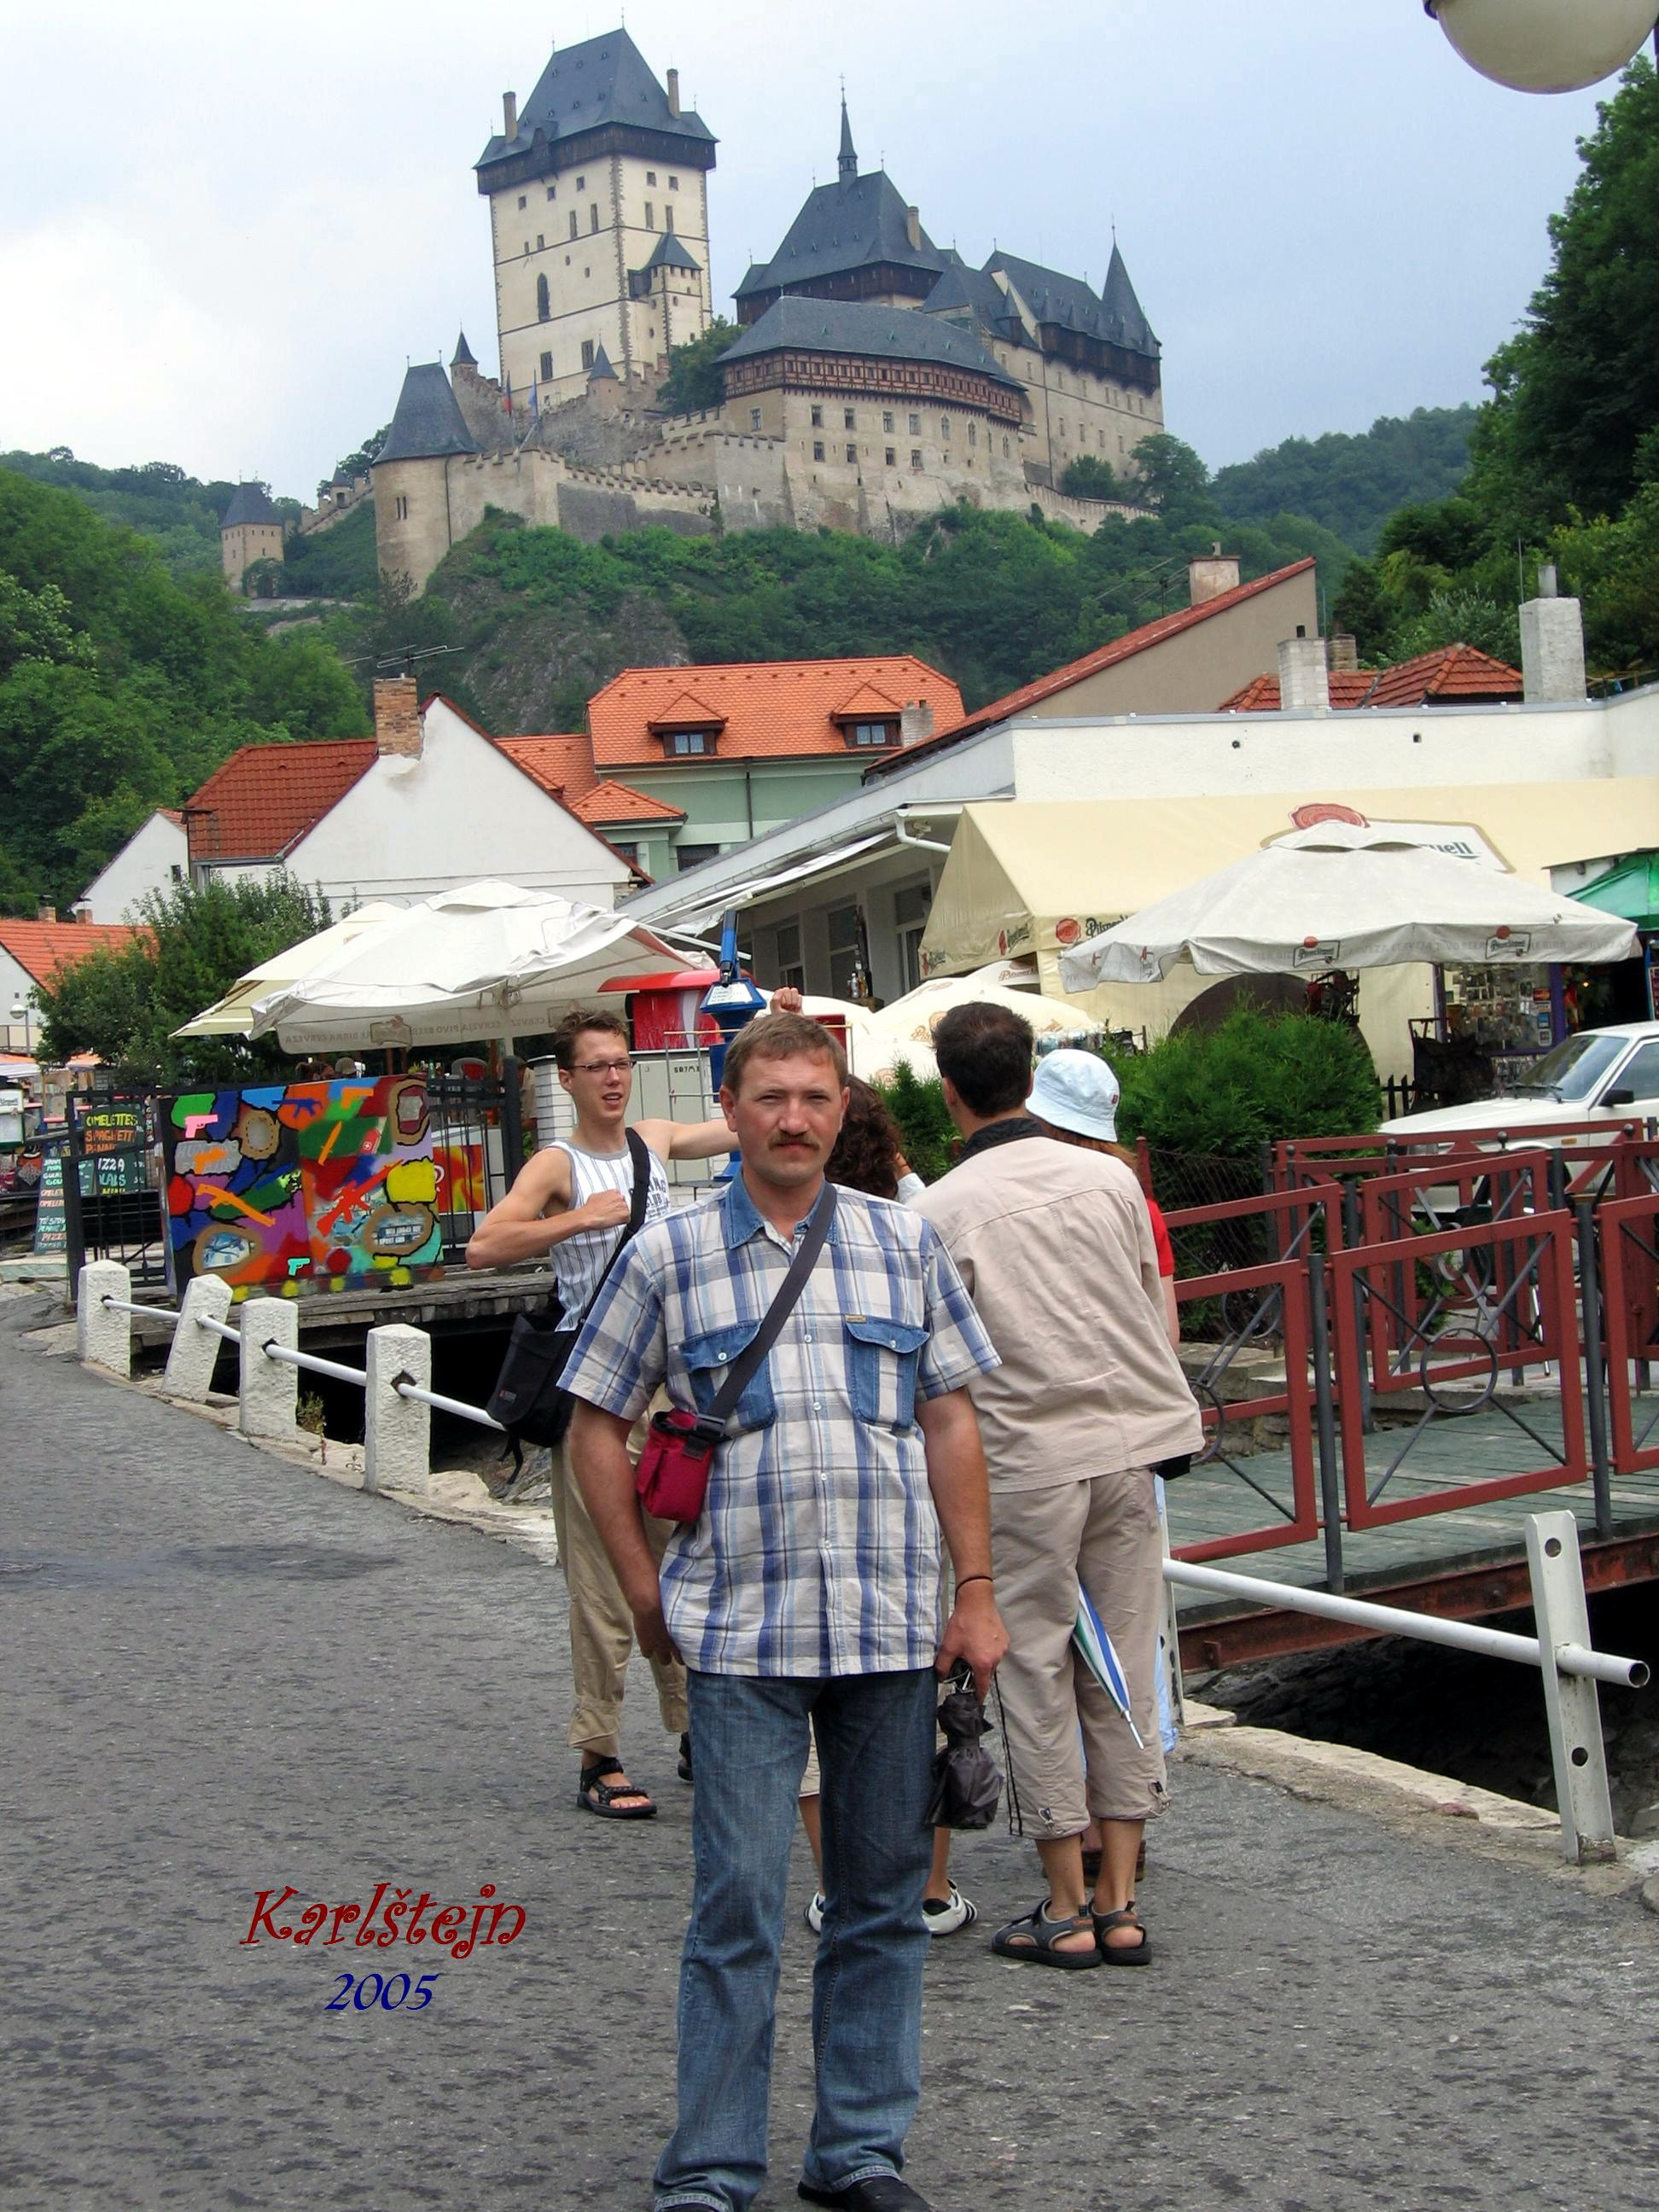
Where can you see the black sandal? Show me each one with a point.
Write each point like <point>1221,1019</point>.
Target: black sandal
<point>1121,1955</point>
<point>596,1796</point>
<point>1034,1939</point>
<point>684,1769</point>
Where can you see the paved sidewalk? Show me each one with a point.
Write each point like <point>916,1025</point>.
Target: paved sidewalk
<point>225,1674</point>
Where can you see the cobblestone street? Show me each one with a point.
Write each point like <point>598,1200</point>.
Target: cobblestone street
<point>225,1675</point>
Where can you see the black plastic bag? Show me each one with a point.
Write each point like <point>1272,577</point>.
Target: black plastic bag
<point>967,1780</point>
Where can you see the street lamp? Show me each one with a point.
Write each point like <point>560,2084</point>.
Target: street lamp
<point>1545,45</point>
<point>20,1012</point>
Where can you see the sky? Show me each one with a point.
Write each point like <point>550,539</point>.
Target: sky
<point>224,232</point>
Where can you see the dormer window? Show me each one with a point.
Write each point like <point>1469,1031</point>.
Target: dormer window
<point>872,733</point>
<point>687,744</point>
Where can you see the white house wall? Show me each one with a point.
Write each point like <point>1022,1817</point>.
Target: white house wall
<point>460,812</point>
<point>15,984</point>
<point>153,858</point>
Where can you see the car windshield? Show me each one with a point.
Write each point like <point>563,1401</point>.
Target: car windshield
<point>1574,1068</point>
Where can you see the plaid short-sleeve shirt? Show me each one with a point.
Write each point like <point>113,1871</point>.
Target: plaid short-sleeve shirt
<point>817,1552</point>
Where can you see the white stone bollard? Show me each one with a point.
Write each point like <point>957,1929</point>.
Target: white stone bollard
<point>397,1431</point>
<point>103,1338</point>
<point>195,1349</point>
<point>270,1388</point>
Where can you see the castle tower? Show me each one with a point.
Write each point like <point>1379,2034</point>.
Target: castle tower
<point>583,187</point>
<point>250,529</point>
<point>414,512</point>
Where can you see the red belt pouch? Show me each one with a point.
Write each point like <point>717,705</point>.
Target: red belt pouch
<point>672,1475</point>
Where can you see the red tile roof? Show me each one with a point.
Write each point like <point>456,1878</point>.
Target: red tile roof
<point>613,804</point>
<point>1451,673</point>
<point>43,949</point>
<point>1105,656</point>
<point>772,710</point>
<point>266,798</point>
<point>564,766</point>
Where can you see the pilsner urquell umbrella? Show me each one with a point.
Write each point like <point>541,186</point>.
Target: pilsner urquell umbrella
<point>1099,1656</point>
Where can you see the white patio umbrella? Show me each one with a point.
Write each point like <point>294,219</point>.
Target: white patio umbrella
<point>486,961</point>
<point>904,1029</point>
<point>1342,896</point>
<point>234,1015</point>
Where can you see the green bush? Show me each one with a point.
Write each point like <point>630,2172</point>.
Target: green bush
<point>918,1106</point>
<point>1254,1079</point>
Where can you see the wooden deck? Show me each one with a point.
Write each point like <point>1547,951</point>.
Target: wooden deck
<point>460,1304</point>
<point>1466,1562</point>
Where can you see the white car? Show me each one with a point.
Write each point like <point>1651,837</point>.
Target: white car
<point>1610,1074</point>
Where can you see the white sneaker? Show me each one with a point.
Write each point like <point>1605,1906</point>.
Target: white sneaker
<point>944,1919</point>
<point>815,1911</point>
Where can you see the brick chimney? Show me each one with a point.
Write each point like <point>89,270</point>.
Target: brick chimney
<point>398,716</point>
<point>1304,685</point>
<point>1342,652</point>
<point>46,911</point>
<point>1209,575</point>
<point>673,92</point>
<point>913,228</point>
<point>509,116</point>
<point>915,721</point>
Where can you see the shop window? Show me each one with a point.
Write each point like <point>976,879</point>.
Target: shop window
<point>787,964</point>
<point>845,968</point>
<point>911,908</point>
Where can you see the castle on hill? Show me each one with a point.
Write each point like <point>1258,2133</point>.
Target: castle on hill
<point>877,377</point>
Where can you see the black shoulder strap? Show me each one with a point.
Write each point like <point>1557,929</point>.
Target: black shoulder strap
<point>640,1153</point>
<point>747,1364</point>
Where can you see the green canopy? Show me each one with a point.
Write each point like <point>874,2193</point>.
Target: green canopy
<point>1631,890</point>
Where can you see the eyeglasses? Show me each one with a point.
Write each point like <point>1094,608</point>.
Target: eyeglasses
<point>604,1067</point>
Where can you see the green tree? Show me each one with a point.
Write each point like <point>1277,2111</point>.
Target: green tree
<point>1351,483</point>
<point>1089,477</point>
<point>195,941</point>
<point>357,462</point>
<point>693,379</point>
<point>1173,480</point>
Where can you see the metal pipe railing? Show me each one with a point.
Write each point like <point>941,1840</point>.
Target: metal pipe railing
<point>286,1357</point>
<point>458,1406</point>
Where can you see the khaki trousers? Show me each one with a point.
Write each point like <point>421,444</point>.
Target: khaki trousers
<point>1103,1532</point>
<point>601,1625</point>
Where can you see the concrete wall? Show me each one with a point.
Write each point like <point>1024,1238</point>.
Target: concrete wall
<point>460,812</point>
<point>153,858</point>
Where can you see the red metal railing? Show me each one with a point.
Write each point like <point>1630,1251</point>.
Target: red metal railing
<point>1630,1279</point>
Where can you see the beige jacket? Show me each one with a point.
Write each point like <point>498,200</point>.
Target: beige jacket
<point>1055,1246</point>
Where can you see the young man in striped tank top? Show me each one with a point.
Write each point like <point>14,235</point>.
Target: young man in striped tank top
<point>569,1206</point>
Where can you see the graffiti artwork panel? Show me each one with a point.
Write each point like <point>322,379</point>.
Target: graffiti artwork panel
<point>304,1186</point>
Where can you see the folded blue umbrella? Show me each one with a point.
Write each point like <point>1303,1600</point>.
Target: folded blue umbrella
<point>1099,1656</point>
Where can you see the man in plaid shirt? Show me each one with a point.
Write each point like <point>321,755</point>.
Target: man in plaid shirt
<point>809,1593</point>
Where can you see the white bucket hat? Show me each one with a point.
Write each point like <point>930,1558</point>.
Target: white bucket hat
<point>1077,1091</point>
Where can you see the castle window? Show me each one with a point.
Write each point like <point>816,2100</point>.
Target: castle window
<point>650,176</point>
<point>572,222</point>
<point>526,246</point>
<point>915,460</point>
<point>673,184</point>
<point>892,457</point>
<point>818,419</point>
<point>1004,449</point>
<point>668,221</point>
<point>543,306</point>
<point>887,423</point>
<point>754,418</point>
<point>587,353</point>
<point>818,449</point>
<point>402,506</point>
<point>541,241</point>
<point>973,433</point>
<point>650,217</point>
<point>915,426</point>
<point>552,193</point>
<point>945,429</point>
<point>593,217</point>
<point>850,420</point>
<point>582,184</point>
<point>547,368</point>
<point>852,451</point>
<point>521,199</point>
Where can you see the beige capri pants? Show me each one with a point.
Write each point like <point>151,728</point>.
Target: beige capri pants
<point>1102,1531</point>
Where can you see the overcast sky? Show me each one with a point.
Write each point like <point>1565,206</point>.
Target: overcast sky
<point>223,231</point>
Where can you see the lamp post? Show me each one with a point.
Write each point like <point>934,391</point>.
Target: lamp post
<point>1545,45</point>
<point>20,1012</point>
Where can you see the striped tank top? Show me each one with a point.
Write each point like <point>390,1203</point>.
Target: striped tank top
<point>580,1261</point>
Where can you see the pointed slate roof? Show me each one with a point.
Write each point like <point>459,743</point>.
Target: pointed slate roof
<point>1122,309</point>
<point>843,227</point>
<point>847,160</point>
<point>962,291</point>
<point>248,503</point>
<point>463,356</point>
<point>849,326</point>
<point>584,87</point>
<point>673,253</point>
<point>602,372</point>
<point>427,423</point>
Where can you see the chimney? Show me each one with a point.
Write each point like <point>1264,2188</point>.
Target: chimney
<point>673,92</point>
<point>915,721</point>
<point>81,911</point>
<point>1303,686</point>
<point>398,716</point>
<point>1342,652</point>
<point>1209,575</point>
<point>509,115</point>
<point>1551,644</point>
<point>46,911</point>
<point>913,228</point>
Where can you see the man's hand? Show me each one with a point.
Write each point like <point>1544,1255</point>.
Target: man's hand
<point>606,1209</point>
<point>974,1632</point>
<point>651,1632</point>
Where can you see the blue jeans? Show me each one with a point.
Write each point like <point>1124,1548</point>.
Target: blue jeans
<point>749,1741</point>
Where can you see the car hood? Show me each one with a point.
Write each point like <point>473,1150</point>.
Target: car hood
<point>1490,1113</point>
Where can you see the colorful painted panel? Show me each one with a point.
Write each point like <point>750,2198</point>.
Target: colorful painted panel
<point>304,1186</point>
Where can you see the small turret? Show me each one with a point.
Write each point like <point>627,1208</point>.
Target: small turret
<point>846,161</point>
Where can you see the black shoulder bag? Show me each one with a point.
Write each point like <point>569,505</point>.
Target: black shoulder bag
<point>527,1400</point>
